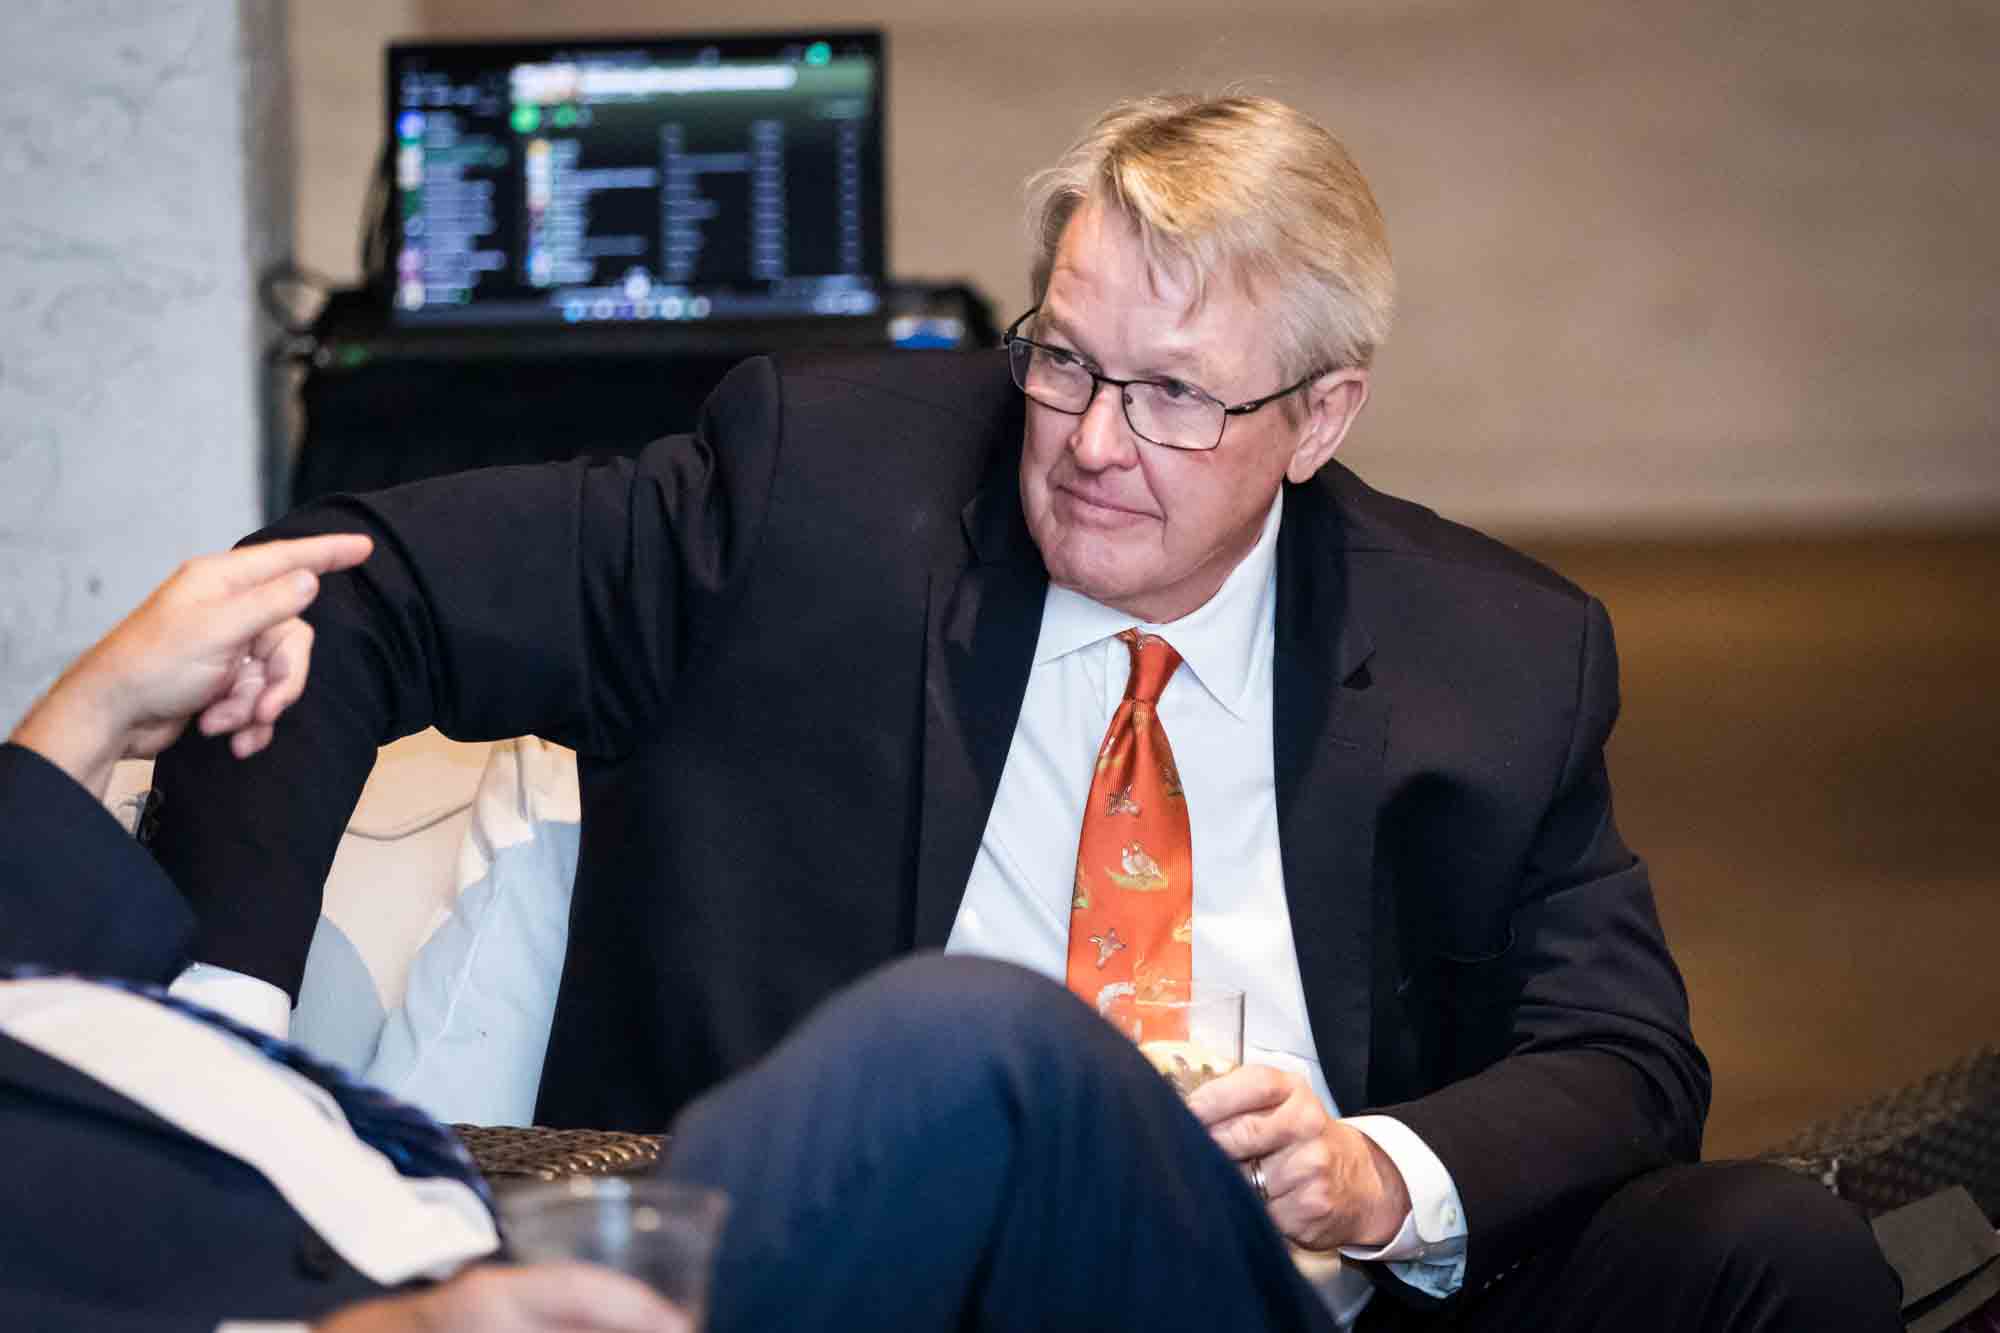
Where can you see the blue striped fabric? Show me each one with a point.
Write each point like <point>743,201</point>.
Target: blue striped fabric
<point>416,1145</point>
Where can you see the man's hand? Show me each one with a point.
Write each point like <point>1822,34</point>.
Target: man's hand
<point>221,639</point>
<point>1330,1185</point>
<point>541,1298</point>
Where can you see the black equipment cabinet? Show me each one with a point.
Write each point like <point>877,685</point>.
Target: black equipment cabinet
<point>385,421</point>
<point>378,407</point>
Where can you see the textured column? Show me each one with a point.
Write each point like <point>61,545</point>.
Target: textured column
<point>145,162</point>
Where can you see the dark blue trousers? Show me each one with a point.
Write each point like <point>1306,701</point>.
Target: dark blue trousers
<point>960,1144</point>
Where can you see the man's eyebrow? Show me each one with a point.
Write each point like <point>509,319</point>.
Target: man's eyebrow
<point>1177,361</point>
<point>1182,360</point>
<point>1048,322</point>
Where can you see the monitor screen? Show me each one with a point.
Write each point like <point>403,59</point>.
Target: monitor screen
<point>646,180</point>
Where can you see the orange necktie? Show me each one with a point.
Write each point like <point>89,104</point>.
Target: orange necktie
<point>1132,908</point>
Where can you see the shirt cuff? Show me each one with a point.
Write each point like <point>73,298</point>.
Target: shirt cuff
<point>1428,1251</point>
<point>251,1001</point>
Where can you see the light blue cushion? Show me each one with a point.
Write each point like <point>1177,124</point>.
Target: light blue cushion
<point>339,1017</point>
<point>467,1042</point>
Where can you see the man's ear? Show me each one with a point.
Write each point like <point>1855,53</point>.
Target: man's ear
<point>1332,402</point>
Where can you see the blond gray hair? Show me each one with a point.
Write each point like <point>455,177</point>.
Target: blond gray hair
<point>1241,189</point>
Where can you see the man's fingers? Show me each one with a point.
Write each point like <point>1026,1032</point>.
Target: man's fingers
<point>1256,1134</point>
<point>268,584</point>
<point>287,655</point>
<point>240,615</point>
<point>1295,1166</point>
<point>584,1296</point>
<point>1240,1091</point>
<point>268,680</point>
<point>1256,1111</point>
<point>248,566</point>
<point>247,741</point>
<point>270,650</point>
<point>237,701</point>
<point>540,1298</point>
<point>227,714</point>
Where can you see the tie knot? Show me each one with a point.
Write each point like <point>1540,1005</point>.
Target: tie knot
<point>1153,663</point>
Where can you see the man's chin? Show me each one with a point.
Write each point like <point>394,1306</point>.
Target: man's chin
<point>1108,581</point>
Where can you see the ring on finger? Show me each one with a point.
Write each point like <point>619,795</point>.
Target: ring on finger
<point>1257,1179</point>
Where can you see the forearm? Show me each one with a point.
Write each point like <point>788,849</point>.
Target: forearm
<point>79,894</point>
<point>1572,1066</point>
<point>1599,1078</point>
<point>74,731</point>
<point>466,617</point>
<point>250,842</point>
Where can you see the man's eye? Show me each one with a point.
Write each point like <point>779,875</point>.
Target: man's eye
<point>1175,390</point>
<point>1060,359</point>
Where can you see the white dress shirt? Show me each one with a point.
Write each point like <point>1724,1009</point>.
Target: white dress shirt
<point>1216,711</point>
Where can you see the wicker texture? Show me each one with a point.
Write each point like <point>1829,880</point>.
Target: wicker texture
<point>1904,1146</point>
<point>550,1154</point>
<point>1908,1144</point>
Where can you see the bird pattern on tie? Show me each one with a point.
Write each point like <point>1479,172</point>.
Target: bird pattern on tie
<point>1132,908</point>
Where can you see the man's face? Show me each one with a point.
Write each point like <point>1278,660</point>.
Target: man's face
<point>1149,530</point>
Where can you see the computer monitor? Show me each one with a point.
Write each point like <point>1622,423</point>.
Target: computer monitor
<point>643,181</point>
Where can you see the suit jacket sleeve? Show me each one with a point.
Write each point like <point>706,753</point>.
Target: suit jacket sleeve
<point>555,600</point>
<point>41,1310</point>
<point>1581,1071</point>
<point>76,893</point>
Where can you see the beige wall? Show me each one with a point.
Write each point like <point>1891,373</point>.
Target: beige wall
<point>336,53</point>
<point>1663,266</point>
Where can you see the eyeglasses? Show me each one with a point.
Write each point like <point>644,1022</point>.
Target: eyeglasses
<point>1166,412</point>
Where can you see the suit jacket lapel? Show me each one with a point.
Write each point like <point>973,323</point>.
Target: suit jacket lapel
<point>984,615</point>
<point>983,618</point>
<point>1330,735</point>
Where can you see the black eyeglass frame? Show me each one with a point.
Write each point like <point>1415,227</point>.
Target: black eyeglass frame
<point>1097,381</point>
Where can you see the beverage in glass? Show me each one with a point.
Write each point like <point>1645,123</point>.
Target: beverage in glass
<point>1191,1034</point>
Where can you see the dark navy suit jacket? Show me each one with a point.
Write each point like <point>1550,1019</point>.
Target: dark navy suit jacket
<point>111,1218</point>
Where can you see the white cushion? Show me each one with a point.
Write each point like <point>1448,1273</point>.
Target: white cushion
<point>434,968</point>
<point>391,886</point>
<point>467,1042</point>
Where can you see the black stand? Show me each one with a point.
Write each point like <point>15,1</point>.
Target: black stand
<point>380,406</point>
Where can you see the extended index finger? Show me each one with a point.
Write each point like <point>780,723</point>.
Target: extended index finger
<point>248,566</point>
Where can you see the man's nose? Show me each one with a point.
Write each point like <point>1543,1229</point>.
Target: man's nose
<point>1102,439</point>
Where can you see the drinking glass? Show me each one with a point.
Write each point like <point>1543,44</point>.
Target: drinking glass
<point>660,1231</point>
<point>1191,1035</point>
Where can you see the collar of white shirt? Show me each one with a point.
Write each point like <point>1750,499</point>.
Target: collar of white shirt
<point>1218,641</point>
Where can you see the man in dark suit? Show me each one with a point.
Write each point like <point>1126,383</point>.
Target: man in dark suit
<point>836,667</point>
<point>137,1195</point>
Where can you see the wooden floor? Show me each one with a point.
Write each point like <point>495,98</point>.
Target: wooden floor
<point>1809,757</point>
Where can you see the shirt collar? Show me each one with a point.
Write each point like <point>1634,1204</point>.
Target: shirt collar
<point>1218,640</point>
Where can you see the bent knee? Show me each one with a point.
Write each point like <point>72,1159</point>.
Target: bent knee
<point>1755,1216</point>
<point>959,1000</point>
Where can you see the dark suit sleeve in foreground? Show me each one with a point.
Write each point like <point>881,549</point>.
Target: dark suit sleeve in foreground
<point>76,893</point>
<point>110,1217</point>
<point>557,601</point>
<point>1587,1073</point>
